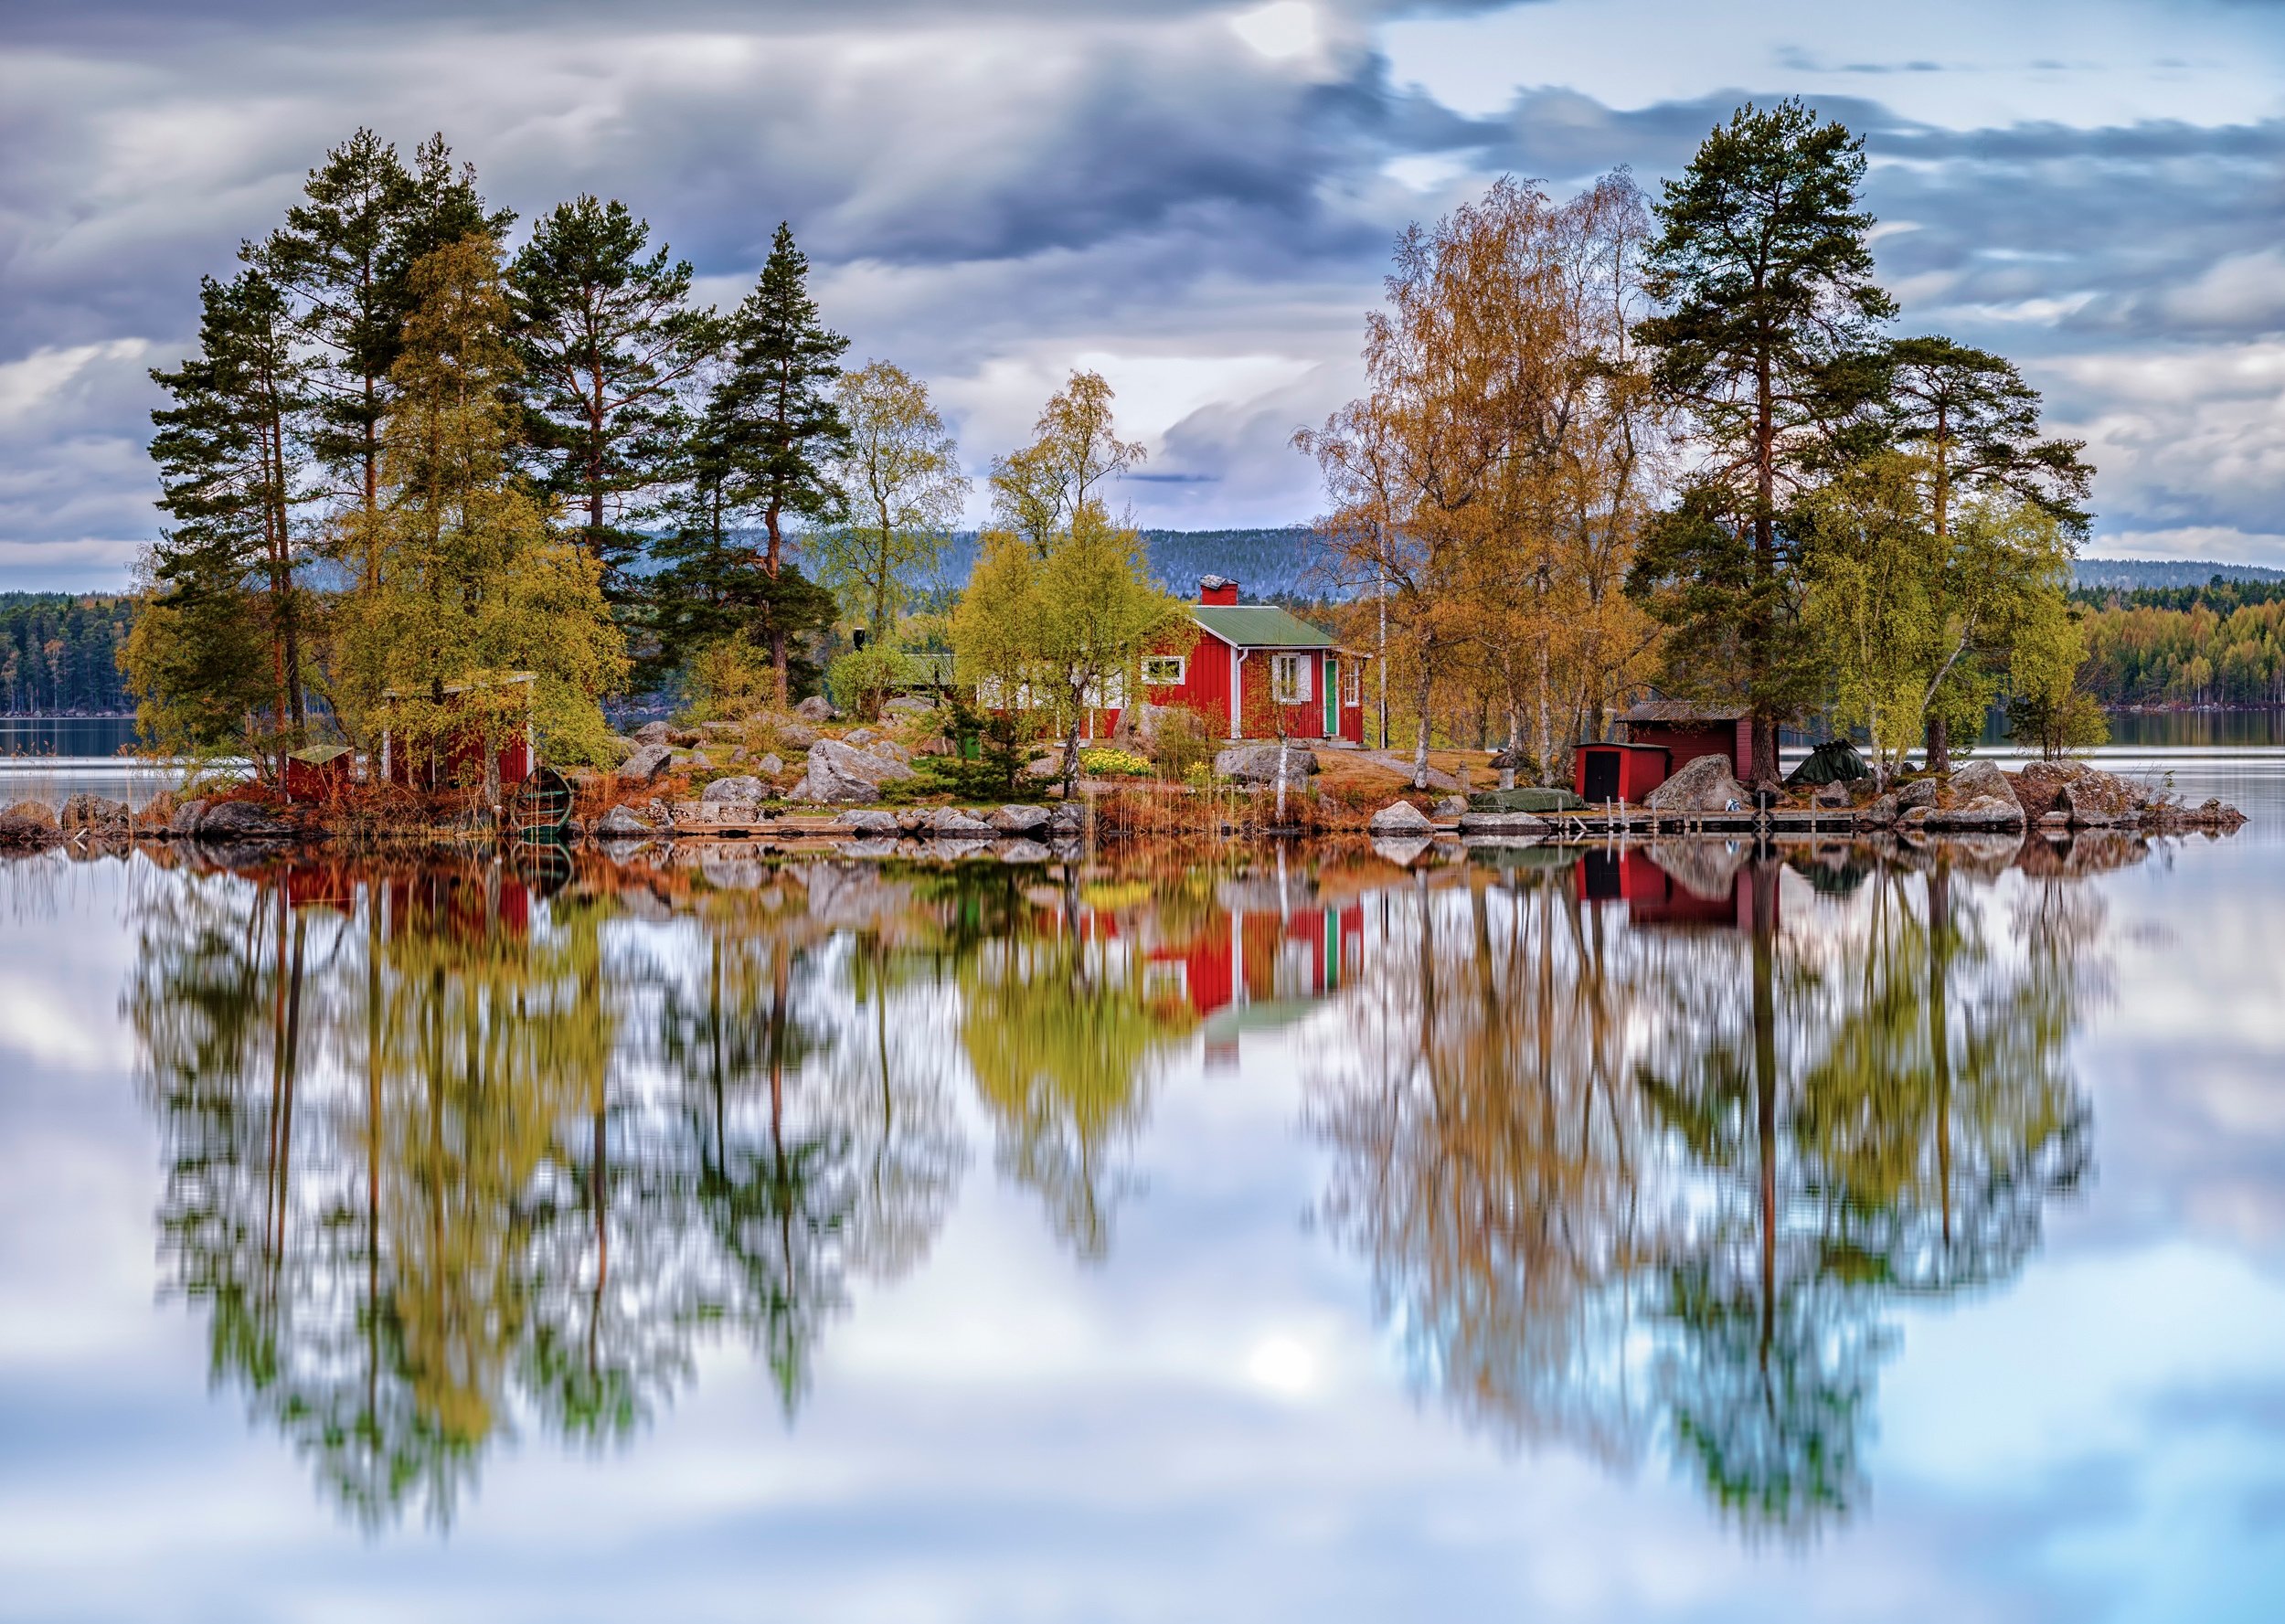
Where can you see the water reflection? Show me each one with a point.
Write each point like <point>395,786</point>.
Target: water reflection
<point>1652,1189</point>
<point>1643,1148</point>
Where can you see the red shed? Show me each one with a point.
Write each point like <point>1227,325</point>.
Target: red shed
<point>1687,731</point>
<point>460,759</point>
<point>1602,773</point>
<point>317,772</point>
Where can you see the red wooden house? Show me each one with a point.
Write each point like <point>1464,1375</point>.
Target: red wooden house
<point>1686,731</point>
<point>1253,667</point>
<point>459,758</point>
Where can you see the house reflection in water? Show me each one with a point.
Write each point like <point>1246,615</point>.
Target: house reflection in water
<point>1266,952</point>
<point>1700,884</point>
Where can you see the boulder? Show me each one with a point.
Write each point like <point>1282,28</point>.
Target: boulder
<point>795,735</point>
<point>840,776</point>
<point>648,762</point>
<point>1048,766</point>
<point>95,813</point>
<point>1069,819</point>
<point>1018,820</point>
<point>620,822</point>
<point>655,733</point>
<point>890,749</point>
<point>661,815</point>
<point>32,812</point>
<point>25,832</point>
<point>769,766</point>
<point>1982,798</point>
<point>871,821</point>
<point>241,819</point>
<point>1703,785</point>
<point>1258,763</point>
<point>734,791</point>
<point>815,708</point>
<point>2096,800</point>
<point>905,706</point>
<point>186,816</point>
<point>860,737</point>
<point>721,729</point>
<point>961,824</point>
<point>1920,792</point>
<point>1401,818</point>
<point>1880,813</point>
<point>1451,806</point>
<point>697,762</point>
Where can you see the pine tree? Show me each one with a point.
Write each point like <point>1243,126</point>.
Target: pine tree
<point>1766,273</point>
<point>223,575</point>
<point>780,425</point>
<point>344,256</point>
<point>609,341</point>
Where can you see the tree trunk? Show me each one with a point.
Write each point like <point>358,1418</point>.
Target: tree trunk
<point>1939,748</point>
<point>1420,744</point>
<point>777,632</point>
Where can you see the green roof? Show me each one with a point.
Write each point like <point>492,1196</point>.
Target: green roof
<point>1259,626</point>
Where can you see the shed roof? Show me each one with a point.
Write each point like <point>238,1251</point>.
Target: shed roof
<point>317,755</point>
<point>1259,626</point>
<point>1683,713</point>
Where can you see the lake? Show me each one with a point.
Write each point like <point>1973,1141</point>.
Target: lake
<point>1685,1233</point>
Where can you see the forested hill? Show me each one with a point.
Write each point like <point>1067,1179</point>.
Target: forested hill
<point>59,653</point>
<point>1272,563</point>
<point>2135,574</point>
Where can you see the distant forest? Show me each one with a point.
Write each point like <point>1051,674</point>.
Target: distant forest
<point>2219,644</point>
<point>58,654</point>
<point>2152,637</point>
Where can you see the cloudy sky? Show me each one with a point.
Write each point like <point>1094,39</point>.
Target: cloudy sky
<point>1196,199</point>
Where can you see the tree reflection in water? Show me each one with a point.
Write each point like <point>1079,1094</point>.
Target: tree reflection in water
<point>1654,1186</point>
<point>1643,1149</point>
<point>439,1154</point>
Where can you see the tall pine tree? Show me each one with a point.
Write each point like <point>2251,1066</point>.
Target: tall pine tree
<point>609,341</point>
<point>781,428</point>
<point>1765,272</point>
<point>226,635</point>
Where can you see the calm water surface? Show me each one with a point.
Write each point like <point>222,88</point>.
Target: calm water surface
<point>1644,1236</point>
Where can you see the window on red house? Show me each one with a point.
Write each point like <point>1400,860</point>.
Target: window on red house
<point>1289,678</point>
<point>1165,671</point>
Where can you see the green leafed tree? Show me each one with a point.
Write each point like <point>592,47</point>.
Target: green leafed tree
<point>474,583</point>
<point>1974,423</point>
<point>608,342</point>
<point>1038,492</point>
<point>1764,271</point>
<point>903,492</point>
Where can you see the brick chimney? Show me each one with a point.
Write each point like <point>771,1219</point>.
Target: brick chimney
<point>1217,588</point>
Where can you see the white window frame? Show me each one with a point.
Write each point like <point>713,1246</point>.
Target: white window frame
<point>1160,663</point>
<point>1353,683</point>
<point>1290,678</point>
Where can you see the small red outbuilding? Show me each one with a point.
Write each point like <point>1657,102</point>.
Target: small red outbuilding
<point>1602,773</point>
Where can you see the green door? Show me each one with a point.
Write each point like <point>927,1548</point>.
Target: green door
<point>1333,701</point>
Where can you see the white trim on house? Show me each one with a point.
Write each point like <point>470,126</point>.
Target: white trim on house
<point>1180,664</point>
<point>1285,665</point>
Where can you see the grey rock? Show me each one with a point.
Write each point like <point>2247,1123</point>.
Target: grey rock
<point>953,850</point>
<point>1019,820</point>
<point>839,776</point>
<point>870,822</point>
<point>241,819</point>
<point>860,737</point>
<point>1258,763</point>
<point>914,819</point>
<point>1048,766</point>
<point>891,749</point>
<point>1400,817</point>
<point>721,729</point>
<point>620,822</point>
<point>95,812</point>
<point>904,706</point>
<point>186,816</point>
<point>1403,851</point>
<point>871,847</point>
<point>1069,819</point>
<point>1880,813</point>
<point>954,820</point>
<point>1920,792</point>
<point>32,812</point>
<point>733,791</point>
<point>697,762</point>
<point>1981,799</point>
<point>795,735</point>
<point>655,733</point>
<point>1451,806</point>
<point>1703,785</point>
<point>769,766</point>
<point>815,708</point>
<point>648,762</point>
<point>661,815</point>
<point>1023,851</point>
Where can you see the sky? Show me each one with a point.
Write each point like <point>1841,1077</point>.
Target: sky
<point>1197,200</point>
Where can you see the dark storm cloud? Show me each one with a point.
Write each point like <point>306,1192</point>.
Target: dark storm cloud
<point>989,198</point>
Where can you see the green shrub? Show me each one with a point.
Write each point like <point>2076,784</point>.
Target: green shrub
<point>862,680</point>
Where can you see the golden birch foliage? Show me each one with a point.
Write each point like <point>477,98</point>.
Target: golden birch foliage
<point>472,580</point>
